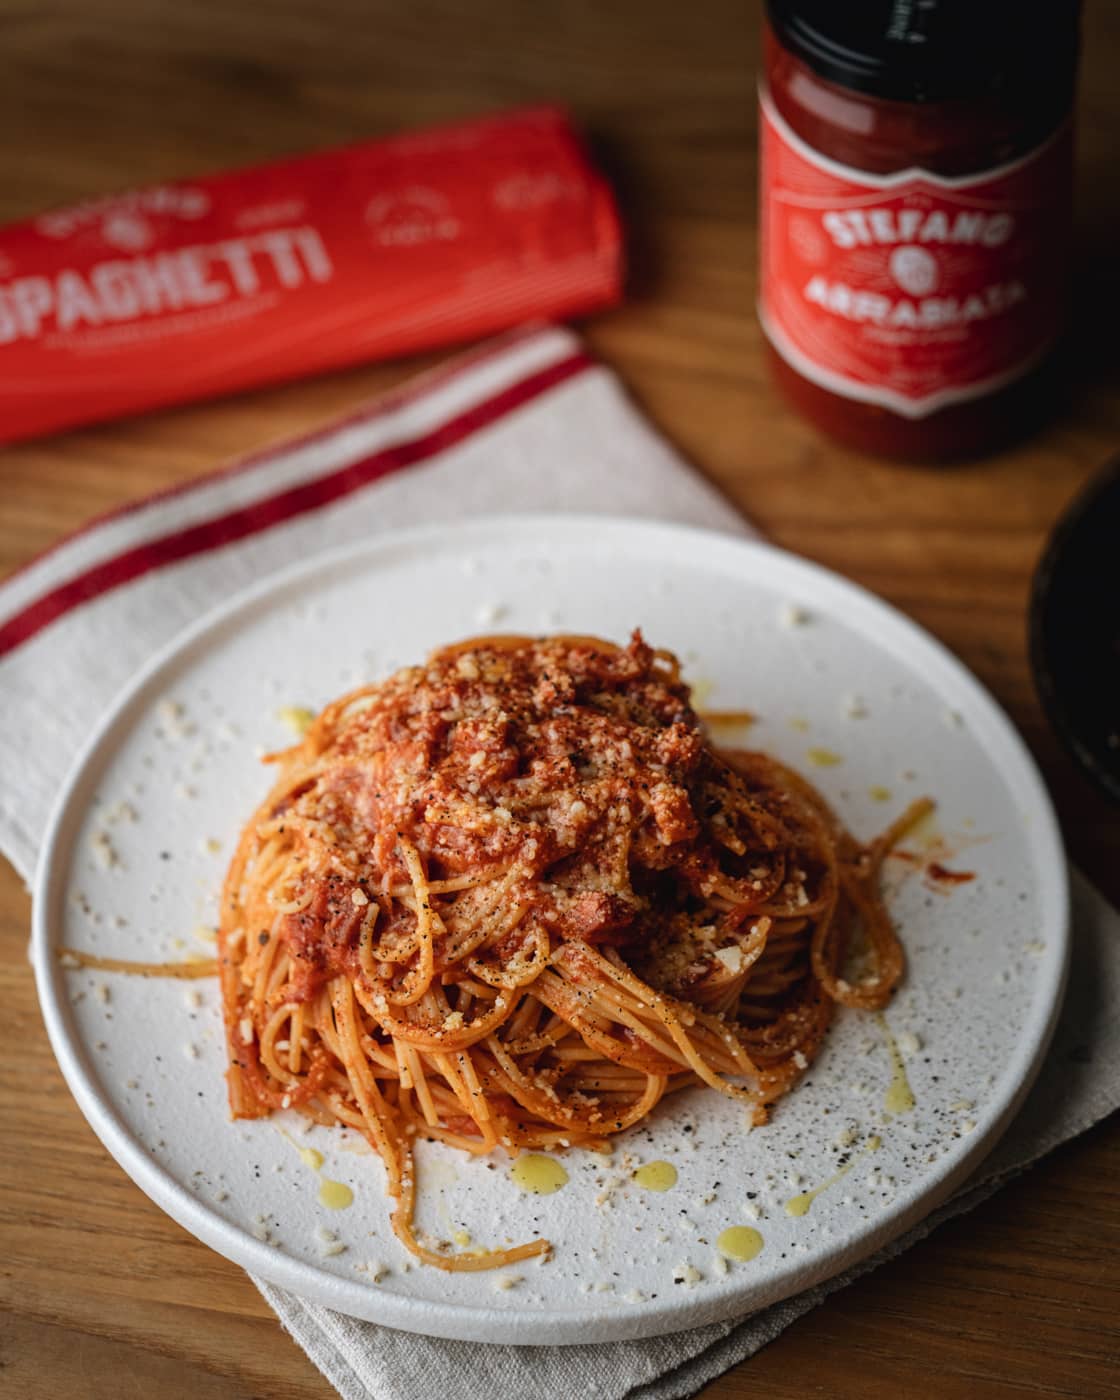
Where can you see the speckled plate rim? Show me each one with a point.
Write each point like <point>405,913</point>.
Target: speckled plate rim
<point>810,583</point>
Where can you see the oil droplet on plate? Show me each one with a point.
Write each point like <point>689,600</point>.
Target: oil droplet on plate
<point>538,1174</point>
<point>297,718</point>
<point>727,719</point>
<point>926,831</point>
<point>879,794</point>
<point>656,1176</point>
<point>335,1195</point>
<point>823,758</point>
<point>740,1242</point>
<point>799,1205</point>
<point>899,1097</point>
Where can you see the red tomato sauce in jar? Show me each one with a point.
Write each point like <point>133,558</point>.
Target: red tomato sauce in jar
<point>915,199</point>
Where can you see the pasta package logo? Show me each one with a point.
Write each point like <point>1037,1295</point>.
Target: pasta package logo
<point>130,222</point>
<point>412,218</point>
<point>910,290</point>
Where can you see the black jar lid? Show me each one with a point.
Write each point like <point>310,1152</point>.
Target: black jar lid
<point>1075,629</point>
<point>932,50</point>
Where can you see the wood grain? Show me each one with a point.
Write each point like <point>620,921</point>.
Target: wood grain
<point>103,1295</point>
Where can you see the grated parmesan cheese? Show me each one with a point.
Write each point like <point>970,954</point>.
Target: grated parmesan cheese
<point>104,852</point>
<point>793,616</point>
<point>732,958</point>
<point>173,720</point>
<point>329,1244</point>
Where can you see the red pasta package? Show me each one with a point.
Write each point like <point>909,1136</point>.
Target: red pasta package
<point>202,287</point>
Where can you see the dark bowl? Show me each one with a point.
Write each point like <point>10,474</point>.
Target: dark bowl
<point>1075,629</point>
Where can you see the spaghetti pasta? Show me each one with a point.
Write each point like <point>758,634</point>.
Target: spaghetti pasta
<point>512,898</point>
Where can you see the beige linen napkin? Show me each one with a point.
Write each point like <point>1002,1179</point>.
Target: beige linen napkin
<point>530,422</point>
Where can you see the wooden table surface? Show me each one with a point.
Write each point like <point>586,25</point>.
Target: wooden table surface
<point>103,1295</point>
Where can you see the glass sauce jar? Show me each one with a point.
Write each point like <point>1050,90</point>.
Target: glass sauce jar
<point>915,200</point>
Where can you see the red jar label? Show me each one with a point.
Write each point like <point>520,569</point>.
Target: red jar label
<point>910,290</point>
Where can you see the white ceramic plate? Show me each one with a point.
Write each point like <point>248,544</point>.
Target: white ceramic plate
<point>141,835</point>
